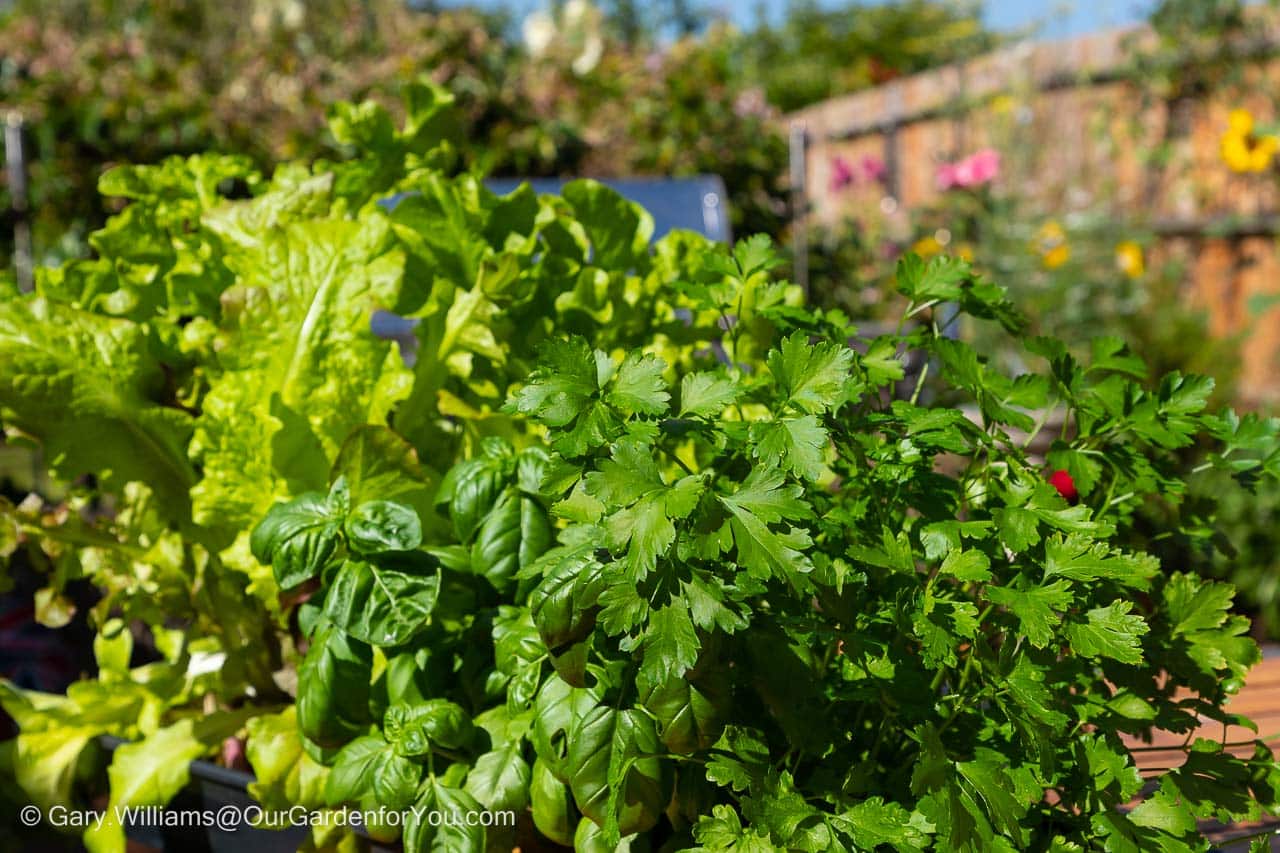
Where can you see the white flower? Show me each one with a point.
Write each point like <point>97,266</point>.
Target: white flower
<point>592,50</point>
<point>577,14</point>
<point>203,663</point>
<point>292,14</point>
<point>538,31</point>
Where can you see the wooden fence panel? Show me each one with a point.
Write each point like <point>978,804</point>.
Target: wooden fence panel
<point>1075,130</point>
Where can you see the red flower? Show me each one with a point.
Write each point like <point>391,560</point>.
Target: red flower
<point>1066,486</point>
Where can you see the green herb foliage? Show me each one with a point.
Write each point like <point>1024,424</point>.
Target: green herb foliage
<point>639,548</point>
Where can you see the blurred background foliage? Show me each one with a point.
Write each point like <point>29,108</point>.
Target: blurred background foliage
<point>626,89</point>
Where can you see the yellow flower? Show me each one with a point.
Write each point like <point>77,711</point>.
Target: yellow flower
<point>1003,104</point>
<point>1243,150</point>
<point>1056,257</point>
<point>1051,243</point>
<point>1129,259</point>
<point>965,252</point>
<point>927,247</point>
<point>1051,233</point>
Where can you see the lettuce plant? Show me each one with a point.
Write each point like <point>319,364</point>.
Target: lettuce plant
<point>639,548</point>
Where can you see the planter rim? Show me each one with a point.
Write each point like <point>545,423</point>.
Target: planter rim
<point>200,769</point>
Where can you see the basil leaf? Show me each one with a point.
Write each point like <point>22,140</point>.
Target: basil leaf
<point>557,709</point>
<point>414,730</point>
<point>564,603</point>
<point>378,526</point>
<point>690,712</point>
<point>450,832</point>
<point>298,539</point>
<point>368,766</point>
<point>552,805</point>
<point>471,488</point>
<point>383,601</point>
<point>500,779</point>
<point>512,536</point>
<point>333,688</point>
<point>608,751</point>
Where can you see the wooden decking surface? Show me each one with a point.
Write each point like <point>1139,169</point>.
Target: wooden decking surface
<point>1260,701</point>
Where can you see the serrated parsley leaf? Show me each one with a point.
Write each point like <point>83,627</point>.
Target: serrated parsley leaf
<point>1019,527</point>
<point>638,386</point>
<point>588,396</point>
<point>641,506</point>
<point>812,376</point>
<point>1110,632</point>
<point>670,642</point>
<point>792,444</point>
<point>1082,559</point>
<point>1038,608</point>
<point>707,394</point>
<point>756,254</point>
<point>761,501</point>
<point>942,625</point>
<point>938,280</point>
<point>1195,605</point>
<point>562,386</point>
<point>967,565</point>
<point>722,832</point>
<point>881,362</point>
<point>874,822</point>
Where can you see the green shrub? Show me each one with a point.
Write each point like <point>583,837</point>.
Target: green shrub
<point>639,547</point>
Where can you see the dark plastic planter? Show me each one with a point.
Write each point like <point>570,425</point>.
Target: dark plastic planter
<point>211,788</point>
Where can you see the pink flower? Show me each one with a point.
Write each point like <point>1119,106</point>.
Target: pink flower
<point>842,174</point>
<point>873,168</point>
<point>977,169</point>
<point>985,165</point>
<point>946,176</point>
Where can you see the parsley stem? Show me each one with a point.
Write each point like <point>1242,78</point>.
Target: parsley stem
<point>924,372</point>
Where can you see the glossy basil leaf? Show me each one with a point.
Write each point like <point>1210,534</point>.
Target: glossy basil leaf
<point>414,730</point>
<point>333,687</point>
<point>369,767</point>
<point>514,534</point>
<point>690,713</point>
<point>374,527</point>
<point>557,709</point>
<point>516,642</point>
<point>607,750</point>
<point>395,780</point>
<point>300,538</point>
<point>471,487</point>
<point>564,603</point>
<point>416,676</point>
<point>383,600</point>
<point>499,780</point>
<point>570,662</point>
<point>449,832</point>
<point>552,805</point>
<point>518,656</point>
<point>455,558</point>
<point>591,838</point>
